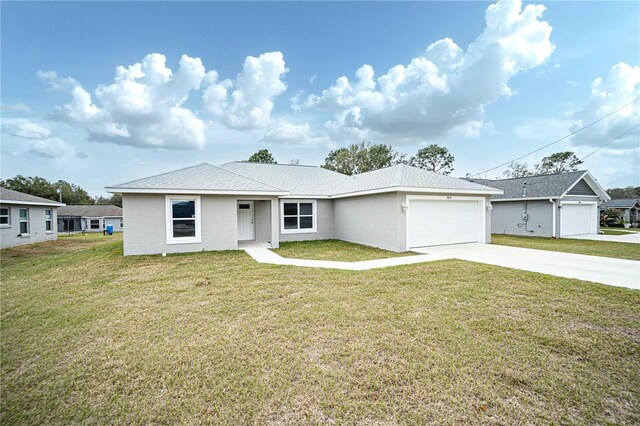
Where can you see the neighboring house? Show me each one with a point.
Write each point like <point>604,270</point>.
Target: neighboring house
<point>26,219</point>
<point>557,205</point>
<point>205,207</point>
<point>85,218</point>
<point>629,207</point>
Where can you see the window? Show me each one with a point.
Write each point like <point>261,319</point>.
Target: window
<point>24,221</point>
<point>95,224</point>
<point>183,220</point>
<point>104,224</point>
<point>48,220</point>
<point>298,216</point>
<point>5,216</point>
<point>121,224</point>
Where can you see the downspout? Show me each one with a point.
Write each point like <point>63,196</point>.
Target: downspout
<point>553,226</point>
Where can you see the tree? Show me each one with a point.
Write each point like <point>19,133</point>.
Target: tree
<point>73,194</point>
<point>362,157</point>
<point>114,200</point>
<point>628,192</point>
<point>294,162</point>
<point>560,162</point>
<point>434,158</point>
<point>517,170</point>
<point>41,187</point>
<point>262,156</point>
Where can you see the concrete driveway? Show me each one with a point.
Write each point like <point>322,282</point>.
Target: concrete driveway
<point>629,237</point>
<point>604,270</point>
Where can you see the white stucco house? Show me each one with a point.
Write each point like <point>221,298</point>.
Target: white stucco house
<point>224,207</point>
<point>89,218</point>
<point>26,219</point>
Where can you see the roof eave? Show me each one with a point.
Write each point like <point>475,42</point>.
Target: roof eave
<point>115,190</point>
<point>420,190</point>
<point>33,203</point>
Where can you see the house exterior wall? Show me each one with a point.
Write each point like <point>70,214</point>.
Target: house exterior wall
<point>582,188</point>
<point>115,221</point>
<point>37,228</point>
<point>145,224</point>
<point>506,215</point>
<point>373,220</point>
<point>325,210</point>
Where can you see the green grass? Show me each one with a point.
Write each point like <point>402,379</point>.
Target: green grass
<point>333,250</point>
<point>607,231</point>
<point>604,228</point>
<point>568,245</point>
<point>90,337</point>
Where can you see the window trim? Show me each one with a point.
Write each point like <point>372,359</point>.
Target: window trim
<point>8,216</point>
<point>169,220</point>
<point>20,220</point>
<point>314,215</point>
<point>50,221</point>
<point>91,224</point>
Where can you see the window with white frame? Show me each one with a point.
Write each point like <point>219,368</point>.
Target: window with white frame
<point>24,221</point>
<point>5,216</point>
<point>298,216</point>
<point>121,224</point>
<point>183,219</point>
<point>94,223</point>
<point>48,220</point>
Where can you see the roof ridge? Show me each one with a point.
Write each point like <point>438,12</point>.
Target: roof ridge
<point>162,174</point>
<point>532,176</point>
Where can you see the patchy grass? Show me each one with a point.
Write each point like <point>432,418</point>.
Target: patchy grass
<point>607,231</point>
<point>568,245</point>
<point>88,336</point>
<point>333,250</point>
<point>620,229</point>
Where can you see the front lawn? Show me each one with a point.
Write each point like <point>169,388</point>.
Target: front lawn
<point>607,231</point>
<point>568,245</point>
<point>90,337</point>
<point>333,250</point>
<point>604,228</point>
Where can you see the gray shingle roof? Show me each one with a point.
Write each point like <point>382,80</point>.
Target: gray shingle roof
<point>405,176</point>
<point>544,186</point>
<point>620,203</point>
<point>9,195</point>
<point>90,211</point>
<point>298,180</point>
<point>201,177</point>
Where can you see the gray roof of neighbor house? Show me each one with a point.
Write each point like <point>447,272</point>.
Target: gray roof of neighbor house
<point>203,177</point>
<point>281,179</point>
<point>403,176</point>
<point>9,196</point>
<point>90,211</point>
<point>620,203</point>
<point>297,180</point>
<point>543,186</point>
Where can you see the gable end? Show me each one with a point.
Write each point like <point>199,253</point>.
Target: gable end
<point>581,188</point>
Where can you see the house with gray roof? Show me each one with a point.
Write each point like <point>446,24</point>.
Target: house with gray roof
<point>555,205</point>
<point>238,204</point>
<point>26,219</point>
<point>628,208</point>
<point>89,218</point>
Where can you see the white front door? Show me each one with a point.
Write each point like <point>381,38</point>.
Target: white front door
<point>246,219</point>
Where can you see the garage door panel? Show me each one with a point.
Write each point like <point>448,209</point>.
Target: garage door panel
<point>577,219</point>
<point>440,222</point>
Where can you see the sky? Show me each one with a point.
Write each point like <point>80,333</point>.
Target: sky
<point>99,93</point>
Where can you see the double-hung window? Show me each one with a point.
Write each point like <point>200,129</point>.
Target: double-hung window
<point>24,221</point>
<point>48,220</point>
<point>95,223</point>
<point>5,217</point>
<point>183,219</point>
<point>298,216</point>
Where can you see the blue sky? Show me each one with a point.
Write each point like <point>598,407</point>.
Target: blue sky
<point>499,81</point>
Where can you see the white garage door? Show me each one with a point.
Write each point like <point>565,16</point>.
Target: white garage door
<point>577,219</point>
<point>439,222</point>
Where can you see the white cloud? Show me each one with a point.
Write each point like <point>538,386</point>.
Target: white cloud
<point>21,108</point>
<point>445,90</point>
<point>619,87</point>
<point>285,132</point>
<point>25,129</point>
<point>48,148</point>
<point>247,102</point>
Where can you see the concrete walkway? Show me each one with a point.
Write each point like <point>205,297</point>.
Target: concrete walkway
<point>629,237</point>
<point>604,270</point>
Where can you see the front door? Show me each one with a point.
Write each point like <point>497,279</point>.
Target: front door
<point>246,219</point>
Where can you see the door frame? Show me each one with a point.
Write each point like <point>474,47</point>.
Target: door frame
<point>482,214</point>
<point>593,228</point>
<point>253,218</point>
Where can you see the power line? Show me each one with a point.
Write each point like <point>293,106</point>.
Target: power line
<point>609,143</point>
<point>559,140</point>
<point>622,178</point>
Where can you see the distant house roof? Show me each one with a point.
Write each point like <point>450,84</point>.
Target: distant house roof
<point>290,180</point>
<point>542,186</point>
<point>90,211</point>
<point>204,178</point>
<point>9,196</point>
<point>621,203</point>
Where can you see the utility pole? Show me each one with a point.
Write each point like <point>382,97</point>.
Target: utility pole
<point>60,194</point>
